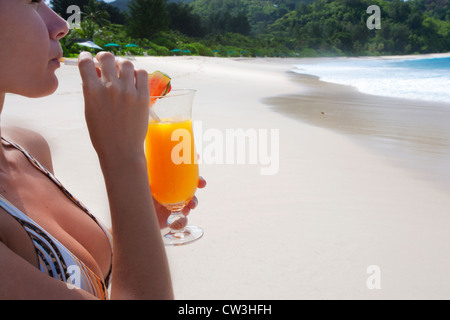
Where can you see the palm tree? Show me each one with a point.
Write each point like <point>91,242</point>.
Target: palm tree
<point>93,17</point>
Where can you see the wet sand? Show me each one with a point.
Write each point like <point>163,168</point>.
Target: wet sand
<point>412,134</point>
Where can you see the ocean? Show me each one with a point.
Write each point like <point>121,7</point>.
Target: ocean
<point>412,78</point>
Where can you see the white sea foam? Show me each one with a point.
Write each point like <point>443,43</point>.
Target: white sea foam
<point>423,79</point>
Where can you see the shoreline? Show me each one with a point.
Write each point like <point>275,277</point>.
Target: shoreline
<point>412,134</point>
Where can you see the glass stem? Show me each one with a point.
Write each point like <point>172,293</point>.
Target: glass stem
<point>177,221</point>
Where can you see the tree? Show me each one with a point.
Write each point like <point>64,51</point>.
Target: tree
<point>60,7</point>
<point>240,24</point>
<point>147,18</point>
<point>95,13</point>
<point>93,18</point>
<point>183,19</point>
<point>399,10</point>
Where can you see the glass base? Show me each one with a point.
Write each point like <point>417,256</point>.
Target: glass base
<point>181,237</point>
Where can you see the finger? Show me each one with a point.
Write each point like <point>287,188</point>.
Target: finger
<point>185,211</point>
<point>86,66</point>
<point>179,224</point>
<point>190,206</point>
<point>108,65</point>
<point>142,82</point>
<point>193,203</point>
<point>201,182</point>
<point>126,71</point>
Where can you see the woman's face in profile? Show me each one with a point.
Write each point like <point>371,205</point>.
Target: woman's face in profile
<point>29,47</point>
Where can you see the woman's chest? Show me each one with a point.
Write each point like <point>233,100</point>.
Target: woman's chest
<point>43,202</point>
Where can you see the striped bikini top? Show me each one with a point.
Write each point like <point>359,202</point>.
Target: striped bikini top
<point>54,258</point>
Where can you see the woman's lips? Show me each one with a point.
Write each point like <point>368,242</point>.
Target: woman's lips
<point>56,62</point>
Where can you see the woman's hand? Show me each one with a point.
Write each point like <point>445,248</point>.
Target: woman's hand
<point>163,213</point>
<point>116,105</point>
<point>117,111</point>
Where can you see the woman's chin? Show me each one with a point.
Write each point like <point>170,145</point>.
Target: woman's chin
<point>43,91</point>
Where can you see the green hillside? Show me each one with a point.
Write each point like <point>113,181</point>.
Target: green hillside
<point>123,4</point>
<point>280,27</point>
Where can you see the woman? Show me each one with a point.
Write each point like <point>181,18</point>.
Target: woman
<point>47,237</point>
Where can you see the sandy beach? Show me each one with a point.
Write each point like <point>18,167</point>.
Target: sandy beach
<point>412,134</point>
<point>357,207</point>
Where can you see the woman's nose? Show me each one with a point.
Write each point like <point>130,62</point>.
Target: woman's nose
<point>57,26</point>
<point>64,30</point>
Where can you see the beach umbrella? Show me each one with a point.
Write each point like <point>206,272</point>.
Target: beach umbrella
<point>216,51</point>
<point>130,45</point>
<point>89,44</point>
<point>175,50</point>
<point>112,45</point>
<point>186,51</point>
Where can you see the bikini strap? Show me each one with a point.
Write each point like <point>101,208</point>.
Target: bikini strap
<point>40,167</point>
<point>52,177</point>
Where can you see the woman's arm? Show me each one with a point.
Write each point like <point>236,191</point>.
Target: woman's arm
<point>20,280</point>
<point>116,107</point>
<point>140,268</point>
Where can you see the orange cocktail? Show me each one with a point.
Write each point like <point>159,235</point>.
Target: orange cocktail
<point>172,161</point>
<point>172,165</point>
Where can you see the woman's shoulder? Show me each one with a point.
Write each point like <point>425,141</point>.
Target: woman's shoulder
<point>33,142</point>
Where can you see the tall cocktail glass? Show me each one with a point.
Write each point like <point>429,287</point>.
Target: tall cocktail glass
<point>172,161</point>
